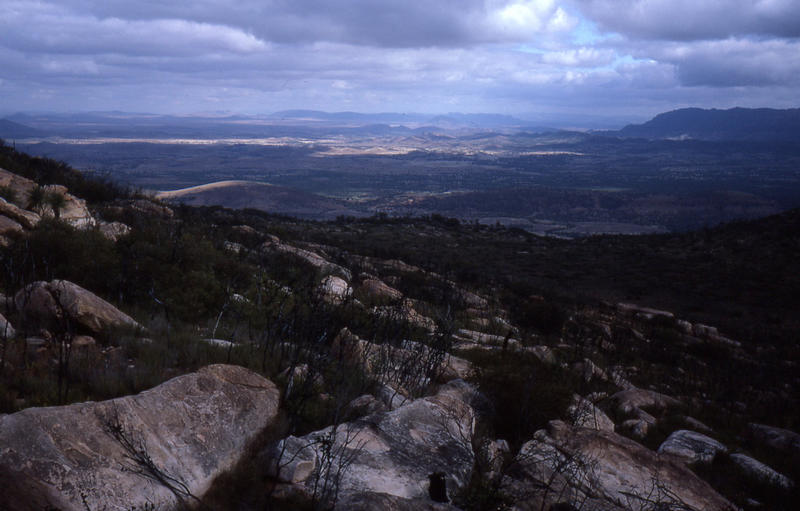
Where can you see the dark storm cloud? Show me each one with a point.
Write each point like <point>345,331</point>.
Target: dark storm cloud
<point>739,62</point>
<point>685,20</point>
<point>717,43</point>
<point>389,23</point>
<point>36,27</point>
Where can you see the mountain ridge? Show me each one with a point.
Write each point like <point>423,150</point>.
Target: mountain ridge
<point>762,124</point>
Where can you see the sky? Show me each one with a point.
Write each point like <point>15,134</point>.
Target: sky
<point>535,59</point>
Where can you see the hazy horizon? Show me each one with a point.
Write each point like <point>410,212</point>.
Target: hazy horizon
<point>569,121</point>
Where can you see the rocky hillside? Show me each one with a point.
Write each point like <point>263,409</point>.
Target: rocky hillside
<point>157,357</point>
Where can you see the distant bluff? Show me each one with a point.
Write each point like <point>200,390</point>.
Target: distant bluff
<point>754,124</point>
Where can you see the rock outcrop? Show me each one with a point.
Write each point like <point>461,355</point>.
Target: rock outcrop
<point>21,210</point>
<point>597,470</point>
<point>778,439</point>
<point>364,405</point>
<point>393,453</point>
<point>72,211</point>
<point>627,401</point>
<point>409,366</point>
<point>589,371</point>
<point>113,230</point>
<point>335,289</point>
<point>46,303</point>
<point>396,265</point>
<point>151,208</point>
<point>370,501</point>
<point>470,299</point>
<point>406,311</point>
<point>465,338</point>
<point>545,354</point>
<point>761,472</point>
<point>37,305</point>
<point>691,446</point>
<point>27,219</point>
<point>584,414</point>
<point>643,312</point>
<point>378,290</point>
<point>7,331</point>
<point>157,448</point>
<point>310,257</point>
<point>21,187</point>
<point>9,226</point>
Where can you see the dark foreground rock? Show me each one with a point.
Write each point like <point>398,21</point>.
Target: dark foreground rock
<point>597,470</point>
<point>778,439</point>
<point>157,448</point>
<point>391,456</point>
<point>761,472</point>
<point>691,446</point>
<point>386,502</point>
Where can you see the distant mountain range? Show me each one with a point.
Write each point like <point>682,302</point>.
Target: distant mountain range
<point>284,123</point>
<point>458,120</point>
<point>762,124</point>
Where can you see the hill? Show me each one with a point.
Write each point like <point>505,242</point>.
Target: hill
<point>262,196</point>
<point>375,363</point>
<point>10,130</point>
<point>760,124</point>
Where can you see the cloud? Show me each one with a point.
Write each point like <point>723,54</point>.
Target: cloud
<point>521,19</point>
<point>511,56</point>
<point>688,20</point>
<point>384,23</point>
<point>733,62</point>
<point>713,43</point>
<point>44,28</point>
<point>582,56</point>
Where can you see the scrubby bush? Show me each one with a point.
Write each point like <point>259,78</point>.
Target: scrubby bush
<point>524,392</point>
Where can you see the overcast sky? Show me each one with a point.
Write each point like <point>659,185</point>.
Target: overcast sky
<point>625,59</point>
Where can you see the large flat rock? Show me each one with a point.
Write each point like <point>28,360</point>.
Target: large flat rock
<point>156,448</point>
<point>691,446</point>
<point>73,210</point>
<point>391,453</point>
<point>310,257</point>
<point>597,470</point>
<point>21,186</point>
<point>761,472</point>
<point>627,401</point>
<point>28,219</point>
<point>47,302</point>
<point>385,502</point>
<point>87,308</point>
